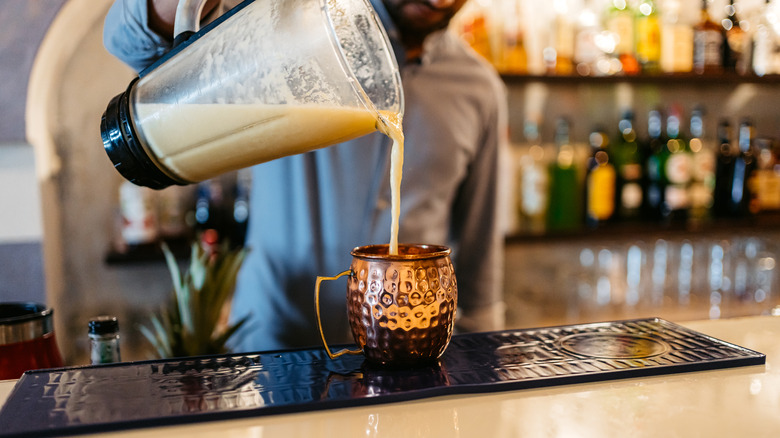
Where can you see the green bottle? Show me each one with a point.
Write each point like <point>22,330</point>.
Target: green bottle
<point>655,187</point>
<point>629,159</point>
<point>565,201</point>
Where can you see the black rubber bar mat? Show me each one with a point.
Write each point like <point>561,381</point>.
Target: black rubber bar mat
<point>164,392</point>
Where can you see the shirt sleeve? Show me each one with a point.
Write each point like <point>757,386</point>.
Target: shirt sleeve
<point>478,231</point>
<point>126,35</point>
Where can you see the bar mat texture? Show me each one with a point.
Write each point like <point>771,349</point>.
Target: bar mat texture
<point>164,392</point>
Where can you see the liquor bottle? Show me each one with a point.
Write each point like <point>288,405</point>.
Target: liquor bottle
<point>736,53</point>
<point>564,212</point>
<point>655,188</point>
<point>742,199</point>
<point>677,170</point>
<point>138,215</point>
<point>558,55</point>
<point>599,181</point>
<point>239,218</point>
<point>620,23</point>
<point>512,56</point>
<point>587,52</point>
<point>702,167</point>
<point>533,184</point>
<point>676,40</point>
<point>104,340</point>
<point>475,31</point>
<point>648,36</point>
<point>210,208</point>
<point>766,43</point>
<point>629,159</point>
<point>708,42</point>
<point>725,159</point>
<point>765,183</point>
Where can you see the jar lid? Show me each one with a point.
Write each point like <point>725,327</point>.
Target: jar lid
<point>24,321</point>
<point>103,325</point>
<point>124,148</point>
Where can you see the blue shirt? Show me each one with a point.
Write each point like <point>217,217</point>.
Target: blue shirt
<point>308,211</point>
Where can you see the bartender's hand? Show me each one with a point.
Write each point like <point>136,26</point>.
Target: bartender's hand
<point>162,14</point>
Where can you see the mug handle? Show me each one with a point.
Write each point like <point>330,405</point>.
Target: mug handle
<point>319,319</point>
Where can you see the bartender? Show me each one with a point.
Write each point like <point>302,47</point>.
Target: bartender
<point>308,211</point>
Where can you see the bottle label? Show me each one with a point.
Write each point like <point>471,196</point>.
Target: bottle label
<point>631,196</point>
<point>766,185</point>
<point>700,196</point>
<point>678,168</point>
<point>703,167</point>
<point>104,351</point>
<point>648,44</point>
<point>533,190</point>
<point>631,172</point>
<point>676,198</point>
<point>708,49</point>
<point>601,192</point>
<point>622,25</point>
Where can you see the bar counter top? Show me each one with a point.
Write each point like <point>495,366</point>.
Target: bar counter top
<point>742,401</point>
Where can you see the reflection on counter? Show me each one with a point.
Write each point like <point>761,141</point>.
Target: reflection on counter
<point>679,278</point>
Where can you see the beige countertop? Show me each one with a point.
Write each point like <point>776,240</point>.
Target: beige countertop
<point>732,402</point>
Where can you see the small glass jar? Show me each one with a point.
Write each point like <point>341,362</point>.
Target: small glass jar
<point>104,340</point>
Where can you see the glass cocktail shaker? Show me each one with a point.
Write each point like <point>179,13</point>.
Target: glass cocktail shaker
<point>268,79</point>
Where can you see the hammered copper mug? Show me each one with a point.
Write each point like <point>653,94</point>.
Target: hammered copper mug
<point>401,307</point>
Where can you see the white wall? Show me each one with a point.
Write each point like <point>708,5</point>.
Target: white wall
<point>20,207</point>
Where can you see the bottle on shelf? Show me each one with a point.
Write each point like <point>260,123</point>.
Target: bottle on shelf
<point>648,36</point>
<point>210,209</point>
<point>475,31</point>
<point>139,225</point>
<point>737,49</point>
<point>620,23</point>
<point>766,42</point>
<point>239,218</point>
<point>766,178</point>
<point>629,158</point>
<point>708,42</point>
<point>512,57</point>
<point>725,159</point>
<point>742,198</point>
<point>533,182</point>
<point>104,340</point>
<point>558,54</point>
<point>564,212</point>
<point>587,52</point>
<point>702,167</point>
<point>676,40</point>
<point>677,170</point>
<point>655,188</point>
<point>599,181</point>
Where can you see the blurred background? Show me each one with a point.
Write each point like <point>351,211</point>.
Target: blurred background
<point>73,236</point>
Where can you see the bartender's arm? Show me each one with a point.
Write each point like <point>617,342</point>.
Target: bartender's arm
<point>139,32</point>
<point>162,14</point>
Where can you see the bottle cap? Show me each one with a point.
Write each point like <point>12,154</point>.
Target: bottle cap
<point>124,148</point>
<point>103,325</point>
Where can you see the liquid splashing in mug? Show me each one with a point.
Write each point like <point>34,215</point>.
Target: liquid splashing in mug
<point>390,125</point>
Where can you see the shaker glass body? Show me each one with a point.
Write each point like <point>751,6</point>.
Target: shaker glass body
<point>269,79</point>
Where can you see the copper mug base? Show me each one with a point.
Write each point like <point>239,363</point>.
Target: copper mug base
<point>401,307</point>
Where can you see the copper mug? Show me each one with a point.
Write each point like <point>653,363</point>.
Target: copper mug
<point>401,307</point>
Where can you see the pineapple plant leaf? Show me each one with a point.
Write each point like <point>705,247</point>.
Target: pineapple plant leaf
<point>194,321</point>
